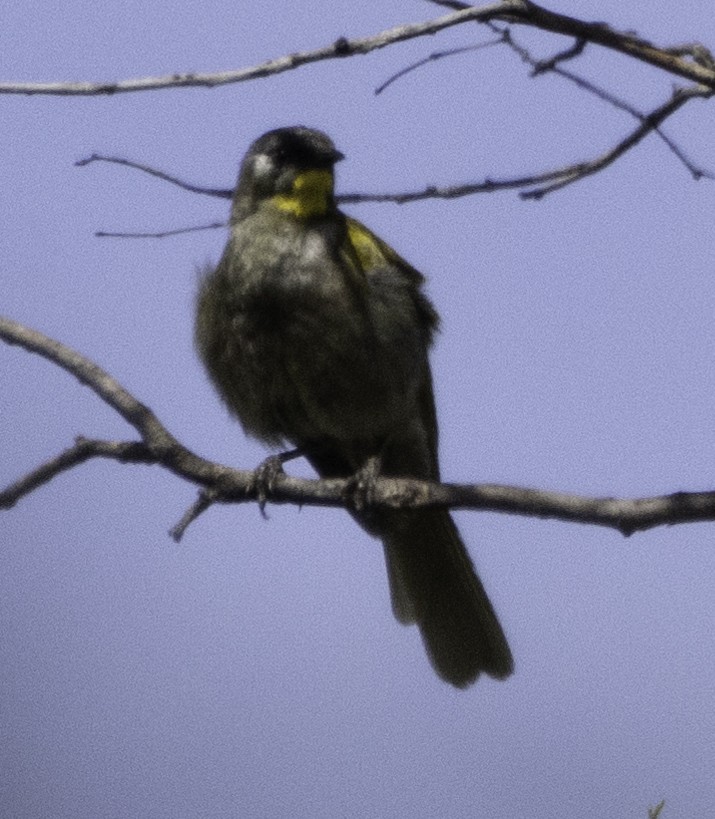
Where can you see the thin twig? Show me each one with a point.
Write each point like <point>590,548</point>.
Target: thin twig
<point>206,498</point>
<point>431,192</point>
<point>552,66</point>
<point>695,171</point>
<point>430,58</point>
<point>654,813</point>
<point>488,185</point>
<point>224,193</point>
<point>693,61</point>
<point>221,193</point>
<point>162,234</point>
<point>649,124</point>
<point>83,449</point>
<point>543,66</point>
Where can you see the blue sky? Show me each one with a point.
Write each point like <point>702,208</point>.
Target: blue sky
<point>255,670</point>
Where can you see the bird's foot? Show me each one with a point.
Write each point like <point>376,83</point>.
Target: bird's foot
<point>360,488</point>
<point>266,474</point>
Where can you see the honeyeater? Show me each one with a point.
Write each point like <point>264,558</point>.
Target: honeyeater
<point>315,332</point>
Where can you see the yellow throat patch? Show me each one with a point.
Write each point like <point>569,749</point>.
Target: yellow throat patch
<point>311,193</point>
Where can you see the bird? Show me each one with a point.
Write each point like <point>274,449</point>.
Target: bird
<point>316,334</point>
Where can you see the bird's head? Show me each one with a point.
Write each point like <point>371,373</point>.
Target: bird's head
<point>293,169</point>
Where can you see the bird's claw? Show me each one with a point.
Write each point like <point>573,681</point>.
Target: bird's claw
<point>360,488</point>
<point>264,479</point>
<point>266,474</point>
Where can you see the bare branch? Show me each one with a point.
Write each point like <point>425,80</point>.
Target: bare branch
<point>543,66</point>
<point>224,193</point>
<point>654,813</point>
<point>221,484</point>
<point>340,48</point>
<point>206,498</point>
<point>435,56</point>
<point>649,124</point>
<point>92,375</point>
<point>159,442</point>
<point>161,234</point>
<point>431,192</point>
<point>693,62</point>
<point>550,181</point>
<point>552,66</point>
<point>83,450</point>
<point>455,191</point>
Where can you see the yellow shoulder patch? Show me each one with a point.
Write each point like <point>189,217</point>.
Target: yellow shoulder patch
<point>373,253</point>
<point>366,245</point>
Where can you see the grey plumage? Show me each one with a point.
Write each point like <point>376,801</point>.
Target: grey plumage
<point>316,333</point>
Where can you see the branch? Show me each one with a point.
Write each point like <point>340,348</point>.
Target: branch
<point>223,193</point>
<point>221,484</point>
<point>693,62</point>
<point>435,56</point>
<point>553,66</point>
<point>159,444</point>
<point>84,449</point>
<point>654,813</point>
<point>430,192</point>
<point>541,184</point>
<point>340,48</point>
<point>159,234</point>
<point>650,123</point>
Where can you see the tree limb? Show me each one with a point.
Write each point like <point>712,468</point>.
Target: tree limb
<point>219,483</point>
<point>342,47</point>
<point>693,62</point>
<point>553,65</point>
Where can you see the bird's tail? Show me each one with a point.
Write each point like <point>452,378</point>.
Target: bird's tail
<point>433,583</point>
